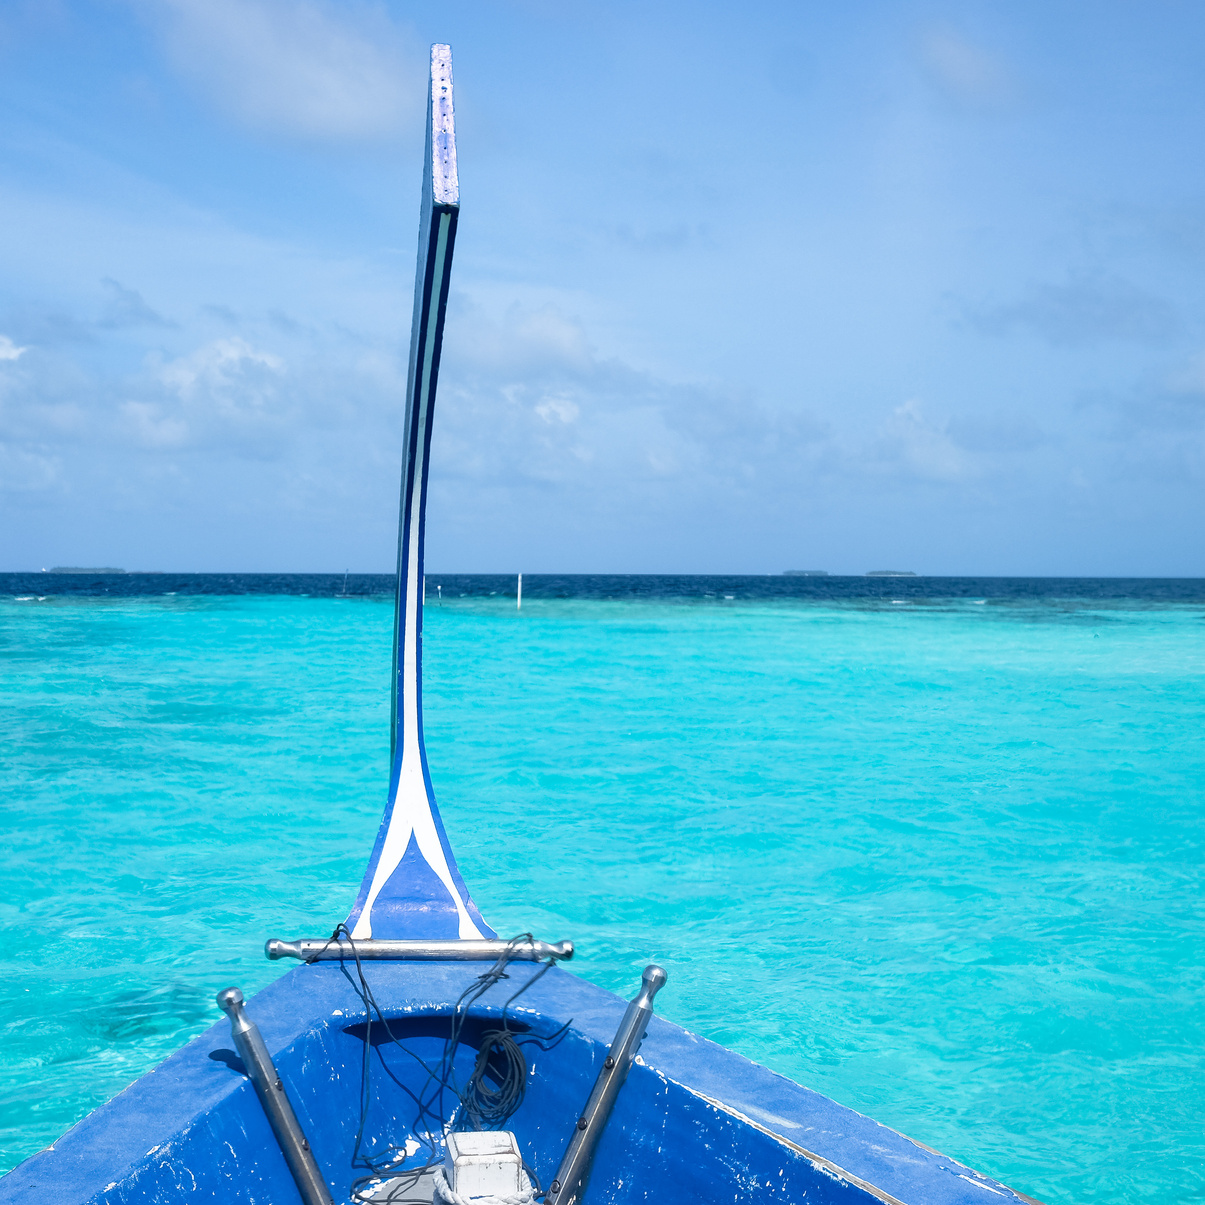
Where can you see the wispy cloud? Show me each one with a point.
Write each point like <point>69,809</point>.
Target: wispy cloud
<point>537,435</point>
<point>653,238</point>
<point>922,447</point>
<point>964,71</point>
<point>531,418</point>
<point>9,350</point>
<point>312,69</point>
<point>125,308</point>
<point>529,402</point>
<point>1089,308</point>
<point>1151,431</point>
<point>226,393</point>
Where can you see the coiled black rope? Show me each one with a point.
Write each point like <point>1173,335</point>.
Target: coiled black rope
<point>484,1106</point>
<point>489,1108</point>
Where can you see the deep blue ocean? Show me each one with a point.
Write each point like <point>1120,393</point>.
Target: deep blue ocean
<point>932,846</point>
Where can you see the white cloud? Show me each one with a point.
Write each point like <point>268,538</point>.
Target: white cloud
<point>558,409</point>
<point>305,68</point>
<point>223,368</point>
<point>519,340</point>
<point>526,402</point>
<point>225,392</point>
<point>923,447</point>
<point>9,350</point>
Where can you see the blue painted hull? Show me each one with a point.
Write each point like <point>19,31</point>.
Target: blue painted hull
<point>694,1121</point>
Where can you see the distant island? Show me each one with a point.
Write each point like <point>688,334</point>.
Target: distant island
<point>72,569</point>
<point>805,573</point>
<point>891,573</point>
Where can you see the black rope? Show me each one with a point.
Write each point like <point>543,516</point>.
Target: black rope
<point>484,1106</point>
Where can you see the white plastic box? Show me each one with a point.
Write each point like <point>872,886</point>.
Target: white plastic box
<point>483,1163</point>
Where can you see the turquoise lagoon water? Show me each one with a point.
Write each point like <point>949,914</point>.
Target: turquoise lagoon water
<point>942,862</point>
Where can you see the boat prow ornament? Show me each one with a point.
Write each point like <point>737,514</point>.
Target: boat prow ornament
<point>416,1056</point>
<point>412,888</point>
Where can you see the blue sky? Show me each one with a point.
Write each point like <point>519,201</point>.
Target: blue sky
<point>738,288</point>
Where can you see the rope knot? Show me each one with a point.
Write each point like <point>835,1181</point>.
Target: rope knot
<point>444,1193</point>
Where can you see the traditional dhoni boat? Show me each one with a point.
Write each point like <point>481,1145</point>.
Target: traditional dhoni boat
<point>415,1055</point>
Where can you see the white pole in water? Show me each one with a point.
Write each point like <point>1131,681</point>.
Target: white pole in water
<point>519,597</point>
<point>424,589</point>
